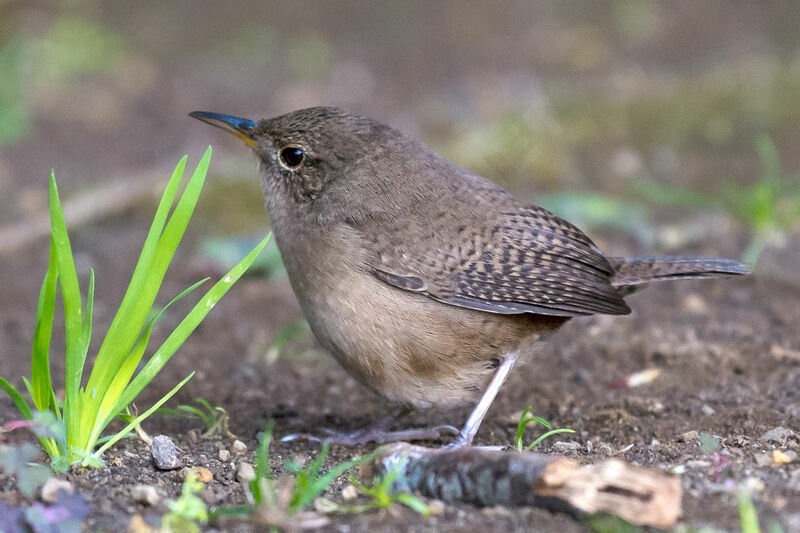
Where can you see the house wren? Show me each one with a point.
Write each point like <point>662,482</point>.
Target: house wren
<point>424,280</point>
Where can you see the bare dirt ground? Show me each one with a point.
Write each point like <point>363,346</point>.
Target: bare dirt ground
<point>567,96</point>
<point>727,351</point>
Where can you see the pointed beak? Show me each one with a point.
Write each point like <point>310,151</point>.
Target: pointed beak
<point>241,127</point>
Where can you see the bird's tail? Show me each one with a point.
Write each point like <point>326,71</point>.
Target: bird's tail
<point>634,271</point>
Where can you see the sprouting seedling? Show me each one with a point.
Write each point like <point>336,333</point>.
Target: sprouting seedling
<point>283,500</point>
<point>381,496</point>
<point>113,382</point>
<point>215,419</point>
<point>524,420</point>
<point>311,481</point>
<point>188,510</point>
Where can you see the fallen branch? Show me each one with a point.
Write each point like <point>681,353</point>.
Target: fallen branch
<point>642,496</point>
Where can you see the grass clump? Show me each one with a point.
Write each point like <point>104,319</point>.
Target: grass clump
<point>381,496</point>
<point>215,419</point>
<point>524,420</point>
<point>285,502</point>
<point>113,382</point>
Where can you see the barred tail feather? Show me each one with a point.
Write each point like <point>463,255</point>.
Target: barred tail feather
<point>633,271</point>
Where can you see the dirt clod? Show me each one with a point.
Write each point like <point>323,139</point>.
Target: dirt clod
<point>778,434</point>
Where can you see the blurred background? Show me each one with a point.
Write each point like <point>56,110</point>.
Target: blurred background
<point>671,126</point>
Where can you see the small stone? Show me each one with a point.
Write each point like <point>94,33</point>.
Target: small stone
<point>780,458</point>
<point>164,453</point>
<point>239,447</point>
<point>688,436</point>
<point>753,485</point>
<point>655,443</point>
<point>678,470</point>
<point>698,463</point>
<point>201,474</point>
<point>146,494</point>
<point>707,410</point>
<point>778,434</point>
<point>784,354</point>
<point>695,305</point>
<point>138,525</point>
<point>224,455</point>
<point>349,493</point>
<point>436,507</point>
<point>245,473</point>
<point>52,486</point>
<point>566,447</point>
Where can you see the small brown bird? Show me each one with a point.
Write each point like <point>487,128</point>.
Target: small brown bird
<point>424,280</point>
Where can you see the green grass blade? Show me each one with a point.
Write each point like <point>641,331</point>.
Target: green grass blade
<point>262,463</point>
<point>16,397</point>
<point>304,497</point>
<point>414,503</point>
<point>538,419</point>
<point>184,329</point>
<point>71,295</point>
<point>144,293</point>
<point>123,376</point>
<point>86,330</point>
<point>545,435</point>
<point>41,386</point>
<point>132,312</point>
<point>142,416</point>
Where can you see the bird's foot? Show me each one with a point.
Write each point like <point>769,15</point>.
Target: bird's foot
<point>374,434</point>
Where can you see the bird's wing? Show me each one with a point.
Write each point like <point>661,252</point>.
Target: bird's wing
<point>524,260</point>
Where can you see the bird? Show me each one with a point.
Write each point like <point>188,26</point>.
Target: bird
<point>424,280</point>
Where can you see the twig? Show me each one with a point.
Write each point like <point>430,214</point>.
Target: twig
<point>479,477</point>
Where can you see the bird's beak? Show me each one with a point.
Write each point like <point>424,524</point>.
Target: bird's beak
<point>241,127</point>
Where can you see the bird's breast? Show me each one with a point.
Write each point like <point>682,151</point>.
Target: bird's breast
<point>405,346</point>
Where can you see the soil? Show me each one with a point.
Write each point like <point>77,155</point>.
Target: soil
<point>727,351</point>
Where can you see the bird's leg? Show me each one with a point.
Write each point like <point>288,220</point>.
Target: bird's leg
<point>476,417</point>
<point>376,432</point>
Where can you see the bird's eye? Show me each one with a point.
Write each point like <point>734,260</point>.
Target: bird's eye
<point>292,156</point>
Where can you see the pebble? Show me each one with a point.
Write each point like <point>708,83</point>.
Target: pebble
<point>202,474</point>
<point>349,493</point>
<point>436,508</point>
<point>566,447</point>
<point>778,434</point>
<point>695,305</point>
<point>164,453</point>
<point>780,458</point>
<point>52,486</point>
<point>707,410</point>
<point>146,494</point>
<point>224,455</point>
<point>688,436</point>
<point>245,472</point>
<point>239,447</point>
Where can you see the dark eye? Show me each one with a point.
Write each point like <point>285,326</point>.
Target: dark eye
<point>292,156</point>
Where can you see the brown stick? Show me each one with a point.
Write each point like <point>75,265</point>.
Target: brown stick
<point>642,496</point>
